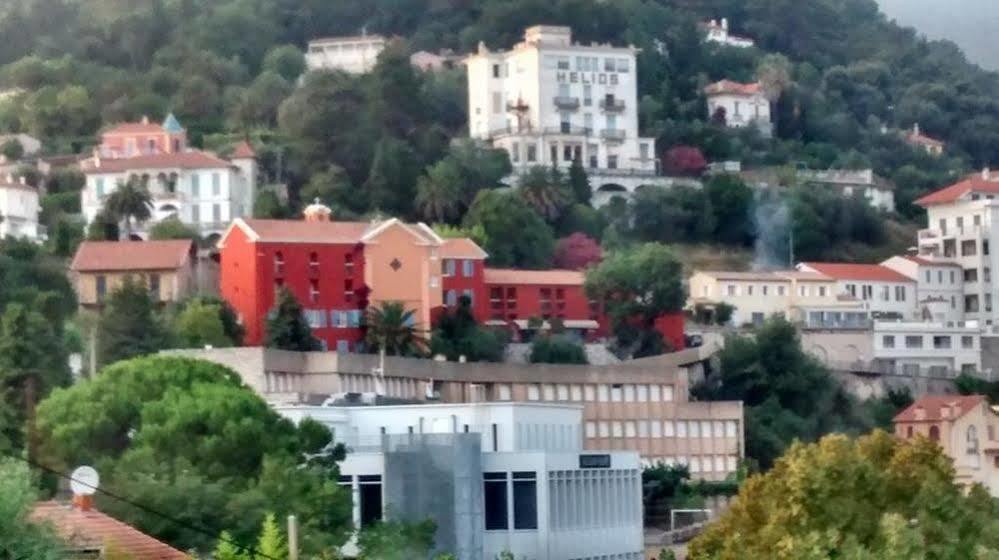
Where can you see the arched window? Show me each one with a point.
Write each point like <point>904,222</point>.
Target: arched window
<point>908,432</point>
<point>279,263</point>
<point>934,433</point>
<point>971,438</point>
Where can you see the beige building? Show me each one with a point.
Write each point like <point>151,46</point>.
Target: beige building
<point>167,267</point>
<point>756,296</point>
<point>642,405</point>
<point>967,429</point>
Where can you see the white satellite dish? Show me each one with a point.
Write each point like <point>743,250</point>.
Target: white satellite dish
<point>84,481</point>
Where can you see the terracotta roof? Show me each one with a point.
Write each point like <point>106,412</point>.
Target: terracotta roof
<point>193,159</point>
<point>932,406</point>
<point>135,128</point>
<point>88,530</point>
<point>300,231</point>
<point>922,139</point>
<point>243,150</point>
<point>974,183</point>
<point>462,248</point>
<point>850,271</point>
<point>735,88</point>
<point>803,276</point>
<point>544,277</point>
<point>93,256</point>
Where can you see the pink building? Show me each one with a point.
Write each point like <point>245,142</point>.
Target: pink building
<point>143,138</point>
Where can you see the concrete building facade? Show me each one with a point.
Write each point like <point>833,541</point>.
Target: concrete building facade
<point>355,55</point>
<point>939,286</point>
<point>503,477</point>
<point>883,291</point>
<point>19,208</point>
<point>928,348</point>
<point>641,405</point>
<point>168,268</point>
<point>550,101</point>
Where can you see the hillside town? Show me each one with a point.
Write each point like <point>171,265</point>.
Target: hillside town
<point>546,292</point>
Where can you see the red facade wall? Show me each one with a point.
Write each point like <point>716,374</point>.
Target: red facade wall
<point>522,301</point>
<point>671,326</point>
<point>459,283</point>
<point>306,268</point>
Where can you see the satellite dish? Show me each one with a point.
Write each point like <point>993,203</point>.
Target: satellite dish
<point>84,481</point>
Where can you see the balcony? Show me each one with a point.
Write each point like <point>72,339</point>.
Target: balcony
<point>566,128</point>
<point>928,234</point>
<point>567,103</point>
<point>612,105</point>
<point>612,134</point>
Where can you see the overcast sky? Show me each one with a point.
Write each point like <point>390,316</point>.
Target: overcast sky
<point>971,24</point>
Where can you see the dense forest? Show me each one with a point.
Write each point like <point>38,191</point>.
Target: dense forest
<point>848,79</point>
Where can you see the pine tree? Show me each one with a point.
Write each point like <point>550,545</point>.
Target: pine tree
<point>271,544</point>
<point>287,328</point>
<point>129,325</point>
<point>226,550</point>
<point>579,182</point>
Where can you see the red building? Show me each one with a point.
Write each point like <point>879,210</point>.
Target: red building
<point>516,296</point>
<point>463,271</point>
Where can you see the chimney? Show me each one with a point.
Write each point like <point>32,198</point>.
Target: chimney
<point>986,174</point>
<point>316,212</point>
<point>725,23</point>
<point>83,503</point>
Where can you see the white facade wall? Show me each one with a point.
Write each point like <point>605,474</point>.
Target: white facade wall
<point>939,288</point>
<point>355,55</point>
<point>19,210</point>
<point>576,101</point>
<point>581,513</point>
<point>965,233</point>
<point>206,199</point>
<point>925,348</point>
<point>742,110</point>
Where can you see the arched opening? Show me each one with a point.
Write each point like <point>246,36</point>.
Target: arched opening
<point>612,188</point>
<point>908,432</point>
<point>934,433</point>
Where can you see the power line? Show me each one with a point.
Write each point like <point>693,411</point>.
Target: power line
<point>256,553</point>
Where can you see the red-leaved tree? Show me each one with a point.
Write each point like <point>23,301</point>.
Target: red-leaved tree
<point>687,161</point>
<point>577,252</point>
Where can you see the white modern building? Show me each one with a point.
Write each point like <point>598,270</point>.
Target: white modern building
<point>885,293</point>
<point>936,349</point>
<point>939,286</point>
<point>18,209</point>
<point>356,55</point>
<point>551,101</point>
<point>495,477</point>
<point>717,32</point>
<point>199,188</point>
<point>739,105</point>
<point>878,193</point>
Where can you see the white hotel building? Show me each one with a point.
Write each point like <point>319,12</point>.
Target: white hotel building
<point>549,101</point>
<point>495,477</point>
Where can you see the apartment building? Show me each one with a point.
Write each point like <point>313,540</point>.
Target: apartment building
<point>756,296</point>
<point>924,348</point>
<point>967,429</point>
<point>939,286</point>
<point>495,477</point>
<point>884,292</point>
<point>961,230</point>
<point>168,268</point>
<point>199,188</point>
<point>641,405</point>
<point>739,105</point>
<point>19,209</point>
<point>549,101</point>
<point>355,55</point>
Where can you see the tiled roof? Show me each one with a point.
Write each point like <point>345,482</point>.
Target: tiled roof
<point>93,256</point>
<point>192,159</point>
<point>135,128</point>
<point>462,248</point>
<point>932,406</point>
<point>803,276</point>
<point>536,277</point>
<point>243,150</point>
<point>87,530</point>
<point>300,231</point>
<point>975,183</point>
<point>850,271</point>
<point>922,139</point>
<point>730,87</point>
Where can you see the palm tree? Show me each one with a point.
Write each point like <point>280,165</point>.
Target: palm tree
<point>545,192</point>
<point>440,194</point>
<point>392,330</point>
<point>130,201</point>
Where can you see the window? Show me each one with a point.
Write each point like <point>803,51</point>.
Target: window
<point>279,263</point>
<point>667,393</point>
<point>154,286</point>
<point>617,393</point>
<point>780,291</point>
<point>617,429</point>
<point>451,298</point>
<point>971,304</point>
<point>927,276</point>
<point>101,288</point>
<point>494,498</point>
<point>967,342</point>
<point>563,63</point>
<point>467,268</point>
<point>731,428</point>
<point>899,293</point>
<point>195,213</point>
<point>532,153</point>
<point>867,292</point>
<point>525,500</point>
<point>216,184</point>
<point>608,65</point>
<point>515,152</point>
<point>934,433</point>
<point>888,341</point>
<point>968,248</point>
<point>642,393</point>
<point>953,276</point>
<point>971,438</point>
<point>588,393</point>
<point>629,429</point>
<point>314,291</point>
<point>342,346</point>
<point>604,429</point>
<point>603,393</point>
<point>913,341</point>
<point>217,213</point>
<point>497,102</point>
<point>822,291</point>
<point>195,185</point>
<point>348,289</point>
<point>681,429</point>
<point>370,487</point>
<point>496,70</point>
<point>732,290</point>
<point>669,428</point>
<point>533,393</point>
<point>654,393</point>
<point>629,393</point>
<point>941,342</point>
<point>694,429</point>
<point>348,264</point>
<point>99,187</point>
<point>591,429</point>
<point>449,267</point>
<point>971,275</point>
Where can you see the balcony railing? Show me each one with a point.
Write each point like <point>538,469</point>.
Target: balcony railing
<point>612,134</point>
<point>568,129</point>
<point>565,102</point>
<point>612,105</point>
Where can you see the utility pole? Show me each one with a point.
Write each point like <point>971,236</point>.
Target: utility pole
<point>292,538</point>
